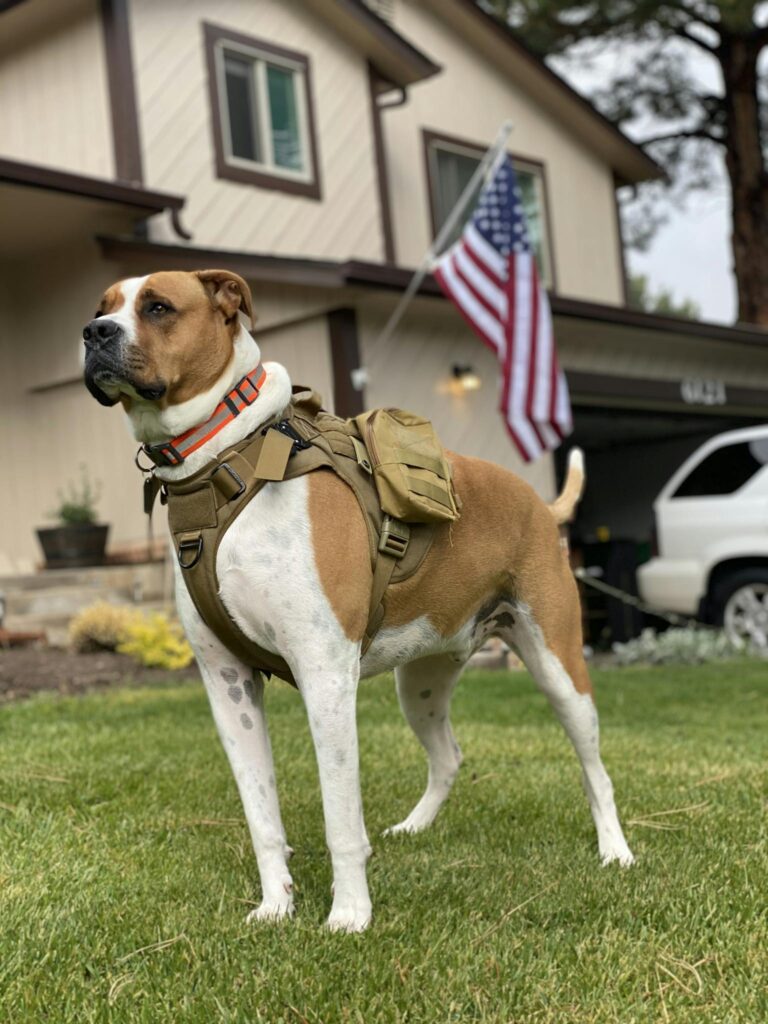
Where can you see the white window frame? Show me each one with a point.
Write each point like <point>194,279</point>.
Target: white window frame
<point>259,59</point>
<point>535,170</point>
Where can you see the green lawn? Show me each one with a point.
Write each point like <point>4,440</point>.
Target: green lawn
<point>126,870</point>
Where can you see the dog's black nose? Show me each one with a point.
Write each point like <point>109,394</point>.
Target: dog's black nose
<point>100,331</point>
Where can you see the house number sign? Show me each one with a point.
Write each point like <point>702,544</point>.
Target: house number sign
<point>700,391</point>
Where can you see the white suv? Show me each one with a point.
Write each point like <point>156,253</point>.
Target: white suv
<point>712,536</point>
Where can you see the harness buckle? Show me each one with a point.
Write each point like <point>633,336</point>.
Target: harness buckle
<point>395,537</point>
<point>190,550</point>
<point>231,488</point>
<point>284,427</point>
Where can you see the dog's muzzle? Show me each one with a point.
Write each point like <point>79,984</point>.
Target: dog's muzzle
<point>106,363</point>
<point>102,359</point>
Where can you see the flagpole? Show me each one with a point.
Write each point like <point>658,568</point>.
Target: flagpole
<point>485,170</point>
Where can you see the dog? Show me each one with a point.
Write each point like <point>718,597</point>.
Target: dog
<point>295,575</point>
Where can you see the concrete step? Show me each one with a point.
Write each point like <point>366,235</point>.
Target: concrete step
<point>148,576</point>
<point>49,599</point>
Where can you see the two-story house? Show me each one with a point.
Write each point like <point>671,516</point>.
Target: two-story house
<point>315,147</point>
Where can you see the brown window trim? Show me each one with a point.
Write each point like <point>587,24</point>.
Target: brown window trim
<point>243,175</point>
<point>428,137</point>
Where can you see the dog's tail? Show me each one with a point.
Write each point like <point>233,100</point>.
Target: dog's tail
<point>564,505</point>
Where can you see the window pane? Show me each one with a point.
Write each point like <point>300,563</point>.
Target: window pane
<point>453,173</point>
<point>723,471</point>
<point>243,125</point>
<point>286,142</point>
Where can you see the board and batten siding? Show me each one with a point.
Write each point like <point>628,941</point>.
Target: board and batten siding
<point>470,99</point>
<point>54,100</point>
<point>177,133</point>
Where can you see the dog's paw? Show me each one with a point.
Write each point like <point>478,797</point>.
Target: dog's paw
<point>621,855</point>
<point>272,910</point>
<point>410,826</point>
<point>352,917</point>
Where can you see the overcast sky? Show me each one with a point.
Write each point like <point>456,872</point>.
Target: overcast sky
<point>691,254</point>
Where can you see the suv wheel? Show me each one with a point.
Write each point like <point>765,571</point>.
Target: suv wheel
<point>740,604</point>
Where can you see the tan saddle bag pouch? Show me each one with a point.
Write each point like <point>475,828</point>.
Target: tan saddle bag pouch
<point>412,475</point>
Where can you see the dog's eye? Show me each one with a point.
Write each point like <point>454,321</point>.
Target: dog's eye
<point>158,308</point>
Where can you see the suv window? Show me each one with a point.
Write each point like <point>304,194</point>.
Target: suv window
<point>724,470</point>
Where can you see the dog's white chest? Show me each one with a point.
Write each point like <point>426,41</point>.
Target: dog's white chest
<point>268,577</point>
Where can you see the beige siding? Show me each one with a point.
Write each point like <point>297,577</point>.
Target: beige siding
<point>470,99</point>
<point>415,370</point>
<point>176,129</point>
<point>304,351</point>
<point>53,88</point>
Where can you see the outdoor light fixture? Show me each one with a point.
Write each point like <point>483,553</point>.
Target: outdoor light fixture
<point>465,377</point>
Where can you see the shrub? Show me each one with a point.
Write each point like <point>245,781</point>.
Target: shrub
<point>77,504</point>
<point>101,627</point>
<point>677,647</point>
<point>156,642</point>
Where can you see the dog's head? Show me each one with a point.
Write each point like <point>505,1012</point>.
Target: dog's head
<point>164,338</point>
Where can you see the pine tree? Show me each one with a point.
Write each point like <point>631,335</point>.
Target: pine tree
<point>662,86</point>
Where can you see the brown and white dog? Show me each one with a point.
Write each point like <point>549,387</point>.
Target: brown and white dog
<point>168,347</point>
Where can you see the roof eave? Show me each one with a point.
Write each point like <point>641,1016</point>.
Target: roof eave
<point>628,160</point>
<point>17,172</point>
<point>398,60</point>
<point>313,273</point>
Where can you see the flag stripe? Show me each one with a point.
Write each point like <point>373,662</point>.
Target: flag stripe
<point>490,275</point>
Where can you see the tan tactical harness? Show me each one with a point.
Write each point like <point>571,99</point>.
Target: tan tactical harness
<point>303,439</point>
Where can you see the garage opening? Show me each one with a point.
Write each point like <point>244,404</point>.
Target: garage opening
<point>630,454</point>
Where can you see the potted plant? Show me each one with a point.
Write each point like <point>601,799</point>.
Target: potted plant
<point>79,540</point>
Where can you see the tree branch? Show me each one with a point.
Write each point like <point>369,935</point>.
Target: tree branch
<point>692,133</point>
<point>683,33</point>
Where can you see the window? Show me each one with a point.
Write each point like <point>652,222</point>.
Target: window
<point>724,471</point>
<point>450,166</point>
<point>262,113</point>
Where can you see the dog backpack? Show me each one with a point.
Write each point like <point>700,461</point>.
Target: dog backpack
<point>392,461</point>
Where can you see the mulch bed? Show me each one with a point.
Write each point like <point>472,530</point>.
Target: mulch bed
<point>26,671</point>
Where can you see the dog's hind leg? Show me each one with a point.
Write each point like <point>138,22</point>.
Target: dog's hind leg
<point>550,645</point>
<point>424,689</point>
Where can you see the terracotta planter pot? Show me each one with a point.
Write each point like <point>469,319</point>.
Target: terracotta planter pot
<point>73,545</point>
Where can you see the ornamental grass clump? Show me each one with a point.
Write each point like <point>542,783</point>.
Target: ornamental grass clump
<point>77,504</point>
<point>678,647</point>
<point>100,627</point>
<point>156,641</point>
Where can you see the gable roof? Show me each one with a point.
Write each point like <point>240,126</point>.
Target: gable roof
<point>486,32</point>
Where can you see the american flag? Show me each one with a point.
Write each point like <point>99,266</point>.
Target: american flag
<point>490,273</point>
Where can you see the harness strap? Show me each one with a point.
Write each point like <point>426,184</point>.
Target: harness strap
<point>302,439</point>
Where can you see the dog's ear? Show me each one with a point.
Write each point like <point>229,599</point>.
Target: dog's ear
<point>97,393</point>
<point>228,292</point>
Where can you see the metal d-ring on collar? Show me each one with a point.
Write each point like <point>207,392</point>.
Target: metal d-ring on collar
<point>137,462</point>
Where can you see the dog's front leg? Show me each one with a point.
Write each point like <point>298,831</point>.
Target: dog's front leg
<point>330,695</point>
<point>236,696</point>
